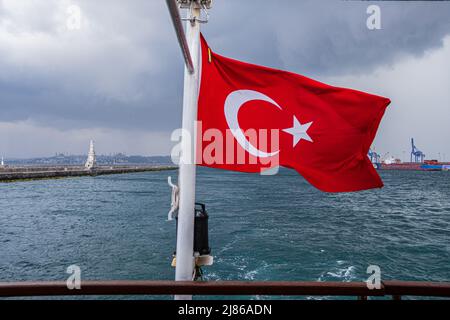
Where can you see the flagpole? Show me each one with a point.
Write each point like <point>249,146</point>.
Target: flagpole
<point>187,169</point>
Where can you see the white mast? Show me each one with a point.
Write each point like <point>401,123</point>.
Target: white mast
<point>185,238</point>
<point>190,45</point>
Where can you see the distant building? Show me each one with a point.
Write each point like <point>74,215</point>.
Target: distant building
<point>91,160</point>
<point>2,164</point>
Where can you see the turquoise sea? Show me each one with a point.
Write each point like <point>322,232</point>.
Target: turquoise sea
<point>261,228</point>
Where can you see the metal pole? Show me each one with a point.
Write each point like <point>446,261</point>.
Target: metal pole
<point>178,25</point>
<point>185,234</point>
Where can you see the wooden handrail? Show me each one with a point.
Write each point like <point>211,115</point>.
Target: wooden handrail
<point>284,288</point>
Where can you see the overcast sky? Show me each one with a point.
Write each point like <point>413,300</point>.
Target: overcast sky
<point>118,79</point>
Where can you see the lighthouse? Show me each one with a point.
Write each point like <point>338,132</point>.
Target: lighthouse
<point>91,162</point>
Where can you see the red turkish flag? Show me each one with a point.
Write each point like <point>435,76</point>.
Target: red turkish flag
<point>321,131</point>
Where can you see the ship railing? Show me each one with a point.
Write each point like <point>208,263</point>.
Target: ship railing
<point>392,289</point>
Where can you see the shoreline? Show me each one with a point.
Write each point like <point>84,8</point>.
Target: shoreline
<point>30,173</point>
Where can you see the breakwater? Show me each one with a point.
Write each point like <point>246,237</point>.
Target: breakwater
<point>8,174</point>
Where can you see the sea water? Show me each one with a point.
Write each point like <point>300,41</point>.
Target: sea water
<point>261,228</point>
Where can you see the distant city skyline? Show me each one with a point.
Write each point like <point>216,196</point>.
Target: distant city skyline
<point>101,159</point>
<point>117,78</point>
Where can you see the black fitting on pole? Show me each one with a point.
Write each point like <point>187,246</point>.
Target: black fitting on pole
<point>201,234</point>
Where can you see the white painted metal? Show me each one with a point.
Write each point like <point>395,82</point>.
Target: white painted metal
<point>186,4</point>
<point>185,234</point>
<point>91,159</point>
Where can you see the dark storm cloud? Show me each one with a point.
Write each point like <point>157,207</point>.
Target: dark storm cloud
<point>65,109</point>
<point>326,37</point>
<point>123,68</point>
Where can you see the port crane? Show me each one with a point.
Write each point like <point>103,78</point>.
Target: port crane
<point>374,157</point>
<point>416,153</point>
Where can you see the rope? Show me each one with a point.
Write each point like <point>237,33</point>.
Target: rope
<point>175,200</point>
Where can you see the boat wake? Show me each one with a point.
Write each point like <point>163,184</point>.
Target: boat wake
<point>340,272</point>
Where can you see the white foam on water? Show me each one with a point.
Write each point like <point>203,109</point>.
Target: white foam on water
<point>339,273</point>
<point>247,273</point>
<point>250,275</point>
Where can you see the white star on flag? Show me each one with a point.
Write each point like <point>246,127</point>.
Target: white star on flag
<point>299,131</point>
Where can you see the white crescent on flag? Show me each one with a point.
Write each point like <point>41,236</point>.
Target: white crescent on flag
<point>233,103</point>
<point>236,100</point>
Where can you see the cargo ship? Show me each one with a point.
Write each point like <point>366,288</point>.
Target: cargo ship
<point>427,165</point>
